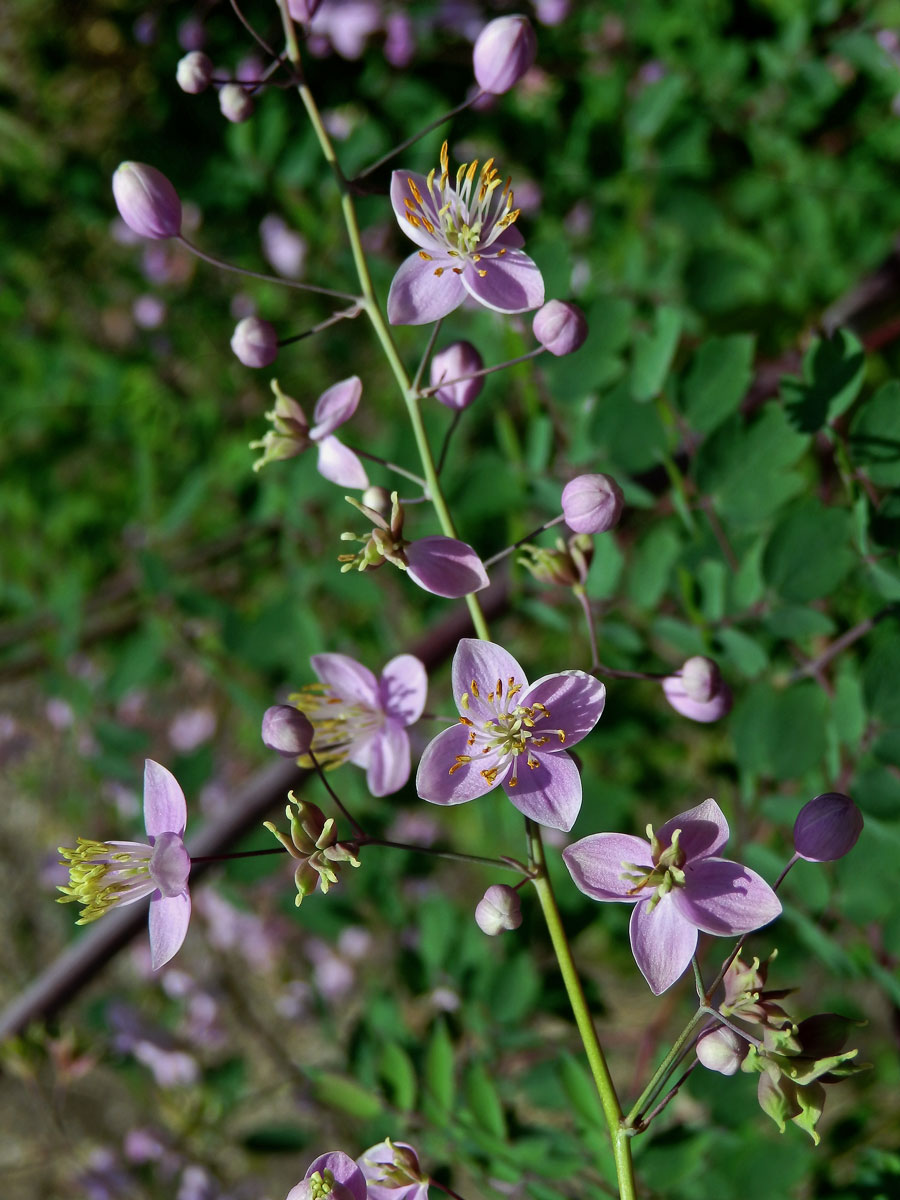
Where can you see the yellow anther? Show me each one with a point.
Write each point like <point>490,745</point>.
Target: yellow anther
<point>490,773</point>
<point>465,721</point>
<point>426,256</point>
<point>457,270</point>
<point>562,735</point>
<point>439,271</point>
<point>428,225</point>
<point>482,273</point>
<point>474,688</point>
<point>445,158</point>
<point>461,760</point>
<point>464,700</point>
<point>471,172</point>
<point>415,191</point>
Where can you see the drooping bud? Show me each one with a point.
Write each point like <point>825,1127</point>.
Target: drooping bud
<point>286,730</point>
<point>560,327</point>
<point>457,360</point>
<point>696,710</point>
<point>827,828</point>
<point>504,51</point>
<point>235,103</point>
<point>194,72</point>
<point>255,342</point>
<point>592,503</point>
<point>313,844</point>
<point>146,200</point>
<point>289,435</point>
<point>500,908</point>
<point>567,565</point>
<point>721,1050</point>
<point>700,678</point>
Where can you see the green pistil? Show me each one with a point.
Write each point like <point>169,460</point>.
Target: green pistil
<point>666,874</point>
<point>321,1184</point>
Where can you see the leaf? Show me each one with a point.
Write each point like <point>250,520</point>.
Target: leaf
<point>439,1080</point>
<point>874,438</point>
<point>396,1070</point>
<point>484,1101</point>
<point>717,381</point>
<point>780,733</point>
<point>653,353</point>
<point>337,1091</point>
<point>833,371</point>
<point>648,573</point>
<point>880,675</point>
<point>809,551</point>
<point>744,652</point>
<point>580,1091</point>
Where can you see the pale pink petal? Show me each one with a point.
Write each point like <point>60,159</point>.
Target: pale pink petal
<point>477,666</point>
<point>511,283</point>
<point>170,864</point>
<point>704,830</point>
<point>724,898</point>
<point>510,237</point>
<point>597,864</point>
<point>696,710</point>
<point>169,919</point>
<point>345,1172</point>
<point>388,766</point>
<point>336,406</point>
<point>549,793</point>
<point>400,193</point>
<point>433,779</point>
<point>574,702</point>
<point>418,296</point>
<point>347,678</point>
<point>662,942</point>
<point>404,688</point>
<point>339,464</point>
<point>445,567</point>
<point>165,810</point>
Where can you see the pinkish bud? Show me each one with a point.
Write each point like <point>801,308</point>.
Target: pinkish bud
<point>504,51</point>
<point>592,503</point>
<point>286,730</point>
<point>700,678</point>
<point>827,828</point>
<point>303,10</point>
<point>721,1050</point>
<point>194,72</point>
<point>696,710</point>
<point>255,342</point>
<point>235,103</point>
<point>560,327</point>
<point>500,908</point>
<point>552,12</point>
<point>146,201</point>
<point>458,359</point>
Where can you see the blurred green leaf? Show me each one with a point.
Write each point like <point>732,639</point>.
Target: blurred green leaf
<point>653,353</point>
<point>833,371</point>
<point>717,380</point>
<point>809,551</point>
<point>875,436</point>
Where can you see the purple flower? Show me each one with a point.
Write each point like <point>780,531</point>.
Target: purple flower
<point>468,246</point>
<point>677,887</point>
<point>512,734</point>
<point>498,909</point>
<point>194,72</point>
<point>454,362</point>
<point>334,1175</point>
<point>560,327</point>
<point>286,730</point>
<point>592,503</point>
<point>291,434</point>
<point>721,1050</point>
<point>392,1172</point>
<point>697,691</point>
<point>103,875</point>
<point>303,10</point>
<point>255,342</point>
<point>146,200</point>
<point>504,50</point>
<point>827,828</point>
<point>360,719</point>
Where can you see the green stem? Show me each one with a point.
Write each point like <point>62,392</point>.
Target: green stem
<point>664,1069</point>
<point>508,864</point>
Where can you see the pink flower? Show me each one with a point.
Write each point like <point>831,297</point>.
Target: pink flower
<point>697,691</point>
<point>255,342</point>
<point>392,1172</point>
<point>513,735</point>
<point>360,719</point>
<point>454,363</point>
<point>592,503</point>
<point>560,327</point>
<point>827,828</point>
<point>103,875</point>
<point>504,51</point>
<point>677,887</point>
<point>146,200</point>
<point>335,1175</point>
<point>468,245</point>
<point>498,909</point>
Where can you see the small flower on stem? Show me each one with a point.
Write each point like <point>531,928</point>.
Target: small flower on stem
<point>286,730</point>
<point>313,843</point>
<point>592,503</point>
<point>393,1173</point>
<point>567,565</point>
<point>194,72</point>
<point>291,434</point>
<point>560,327</point>
<point>721,1050</point>
<point>827,828</point>
<point>500,908</point>
<point>747,997</point>
<point>255,342</point>
<point>454,363</point>
<point>504,50</point>
<point>332,1176</point>
<point>697,691</point>
<point>235,104</point>
<point>146,200</point>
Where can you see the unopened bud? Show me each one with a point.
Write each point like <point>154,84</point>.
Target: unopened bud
<point>567,565</point>
<point>721,1050</point>
<point>827,828</point>
<point>700,678</point>
<point>560,327</point>
<point>458,359</point>
<point>696,710</point>
<point>255,342</point>
<point>146,200</point>
<point>286,730</point>
<point>194,72</point>
<point>303,10</point>
<point>378,499</point>
<point>592,503</point>
<point>504,51</point>
<point>235,103</point>
<point>500,908</point>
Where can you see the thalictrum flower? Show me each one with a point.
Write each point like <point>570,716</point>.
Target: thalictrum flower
<point>334,1175</point>
<point>697,691</point>
<point>104,875</point>
<point>560,327</point>
<point>314,845</point>
<point>146,200</point>
<point>392,1172</point>
<point>360,719</point>
<point>291,434</point>
<point>468,245</point>
<point>677,886</point>
<point>504,51</point>
<point>827,828</point>
<point>498,909</point>
<point>512,734</point>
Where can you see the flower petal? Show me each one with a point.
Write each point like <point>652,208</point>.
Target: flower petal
<point>169,919</point>
<point>418,296</point>
<point>662,942</point>
<point>339,464</point>
<point>477,666</point>
<point>165,810</point>
<point>704,830</point>
<point>434,782</point>
<point>345,1172</point>
<point>404,688</point>
<point>388,767</point>
<point>170,864</point>
<point>335,406</point>
<point>574,701</point>
<point>445,567</point>
<point>400,193</point>
<point>549,793</point>
<point>511,283</point>
<point>597,863</point>
<point>510,237</point>
<point>696,710</point>
<point>725,898</point>
<point>348,679</point>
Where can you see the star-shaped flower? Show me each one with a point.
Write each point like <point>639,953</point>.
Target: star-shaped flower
<point>291,434</point>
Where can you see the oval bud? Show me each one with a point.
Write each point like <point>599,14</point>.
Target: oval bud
<point>379,500</point>
<point>458,359</point>
<point>827,828</point>
<point>500,908</point>
<point>194,72</point>
<point>504,51</point>
<point>286,730</point>
<point>592,503</point>
<point>235,103</point>
<point>700,678</point>
<point>721,1050</point>
<point>696,710</point>
<point>255,342</point>
<point>560,327</point>
<point>303,10</point>
<point>146,200</point>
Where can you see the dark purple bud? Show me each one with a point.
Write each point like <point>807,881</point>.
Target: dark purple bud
<point>458,359</point>
<point>700,678</point>
<point>146,200</point>
<point>286,730</point>
<point>721,1050</point>
<point>827,828</point>
<point>194,72</point>
<point>235,103</point>
<point>500,908</point>
<point>504,51</point>
<point>592,503</point>
<point>560,327</point>
<point>552,12</point>
<point>255,342</point>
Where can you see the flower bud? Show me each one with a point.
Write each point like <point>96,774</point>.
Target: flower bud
<point>696,710</point>
<point>504,51</point>
<point>568,564</point>
<point>458,359</point>
<point>235,103</point>
<point>255,342</point>
<point>500,908</point>
<point>721,1050</point>
<point>827,828</point>
<point>303,10</point>
<point>146,200</point>
<point>194,72</point>
<point>560,327</point>
<point>286,730</point>
<point>700,678</point>
<point>378,499</point>
<point>592,503</point>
